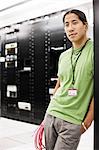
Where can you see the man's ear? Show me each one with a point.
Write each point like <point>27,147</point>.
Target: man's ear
<point>86,25</point>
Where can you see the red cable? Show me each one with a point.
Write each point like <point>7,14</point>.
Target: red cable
<point>38,137</point>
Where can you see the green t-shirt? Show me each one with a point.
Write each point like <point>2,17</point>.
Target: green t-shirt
<point>73,108</point>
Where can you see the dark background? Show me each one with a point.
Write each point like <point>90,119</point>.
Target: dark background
<point>96,86</point>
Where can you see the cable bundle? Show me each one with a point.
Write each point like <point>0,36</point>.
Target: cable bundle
<point>39,137</point>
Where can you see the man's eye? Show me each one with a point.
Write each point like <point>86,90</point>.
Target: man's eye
<point>66,25</point>
<point>75,22</point>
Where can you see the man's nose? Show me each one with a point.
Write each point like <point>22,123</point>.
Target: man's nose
<point>70,27</point>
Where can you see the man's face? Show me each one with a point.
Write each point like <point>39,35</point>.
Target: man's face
<point>74,27</point>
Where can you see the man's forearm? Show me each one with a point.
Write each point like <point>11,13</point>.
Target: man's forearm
<point>90,115</point>
<point>57,86</point>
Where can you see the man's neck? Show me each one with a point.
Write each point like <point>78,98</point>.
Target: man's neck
<point>79,43</point>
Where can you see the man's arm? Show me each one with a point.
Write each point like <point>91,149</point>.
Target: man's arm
<point>89,117</point>
<point>56,86</point>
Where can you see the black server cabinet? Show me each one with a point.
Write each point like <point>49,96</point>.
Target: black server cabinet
<point>16,74</point>
<point>25,105</point>
<point>40,78</point>
<point>57,43</point>
<point>96,86</point>
<point>29,72</point>
<point>9,77</point>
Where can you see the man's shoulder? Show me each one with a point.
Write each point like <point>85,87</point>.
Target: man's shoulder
<point>90,43</point>
<point>66,52</point>
<point>90,47</point>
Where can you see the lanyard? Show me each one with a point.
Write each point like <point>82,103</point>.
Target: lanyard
<point>73,67</point>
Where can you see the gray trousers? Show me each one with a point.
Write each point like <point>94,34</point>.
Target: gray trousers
<point>60,134</point>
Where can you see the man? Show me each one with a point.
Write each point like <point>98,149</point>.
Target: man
<point>70,112</point>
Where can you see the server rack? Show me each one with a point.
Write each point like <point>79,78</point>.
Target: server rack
<point>31,51</point>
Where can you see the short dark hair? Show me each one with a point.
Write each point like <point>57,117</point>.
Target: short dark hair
<point>79,13</point>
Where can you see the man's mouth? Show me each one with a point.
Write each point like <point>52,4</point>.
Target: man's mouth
<point>72,34</point>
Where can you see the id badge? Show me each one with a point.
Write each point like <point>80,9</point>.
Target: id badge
<point>72,92</point>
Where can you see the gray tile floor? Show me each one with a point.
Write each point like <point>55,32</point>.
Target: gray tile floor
<point>17,135</point>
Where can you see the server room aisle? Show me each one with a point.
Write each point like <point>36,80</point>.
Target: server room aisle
<point>16,135</point>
